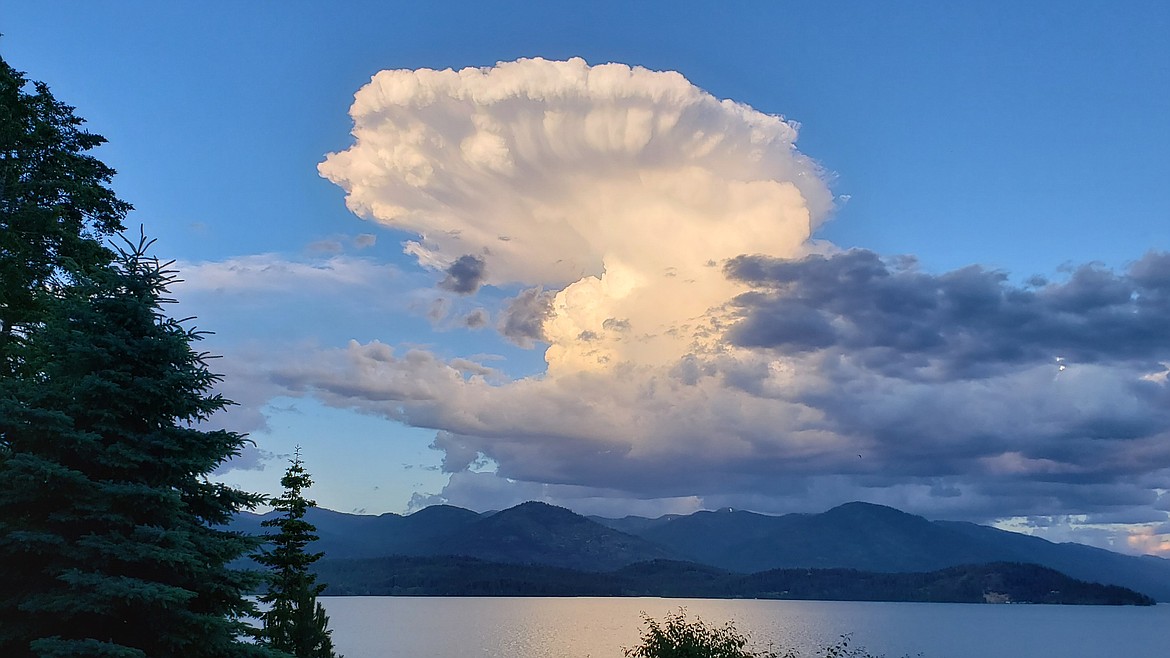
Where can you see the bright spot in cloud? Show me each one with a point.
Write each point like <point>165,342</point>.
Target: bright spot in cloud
<point>1146,540</point>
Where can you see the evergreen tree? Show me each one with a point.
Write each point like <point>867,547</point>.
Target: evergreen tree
<point>295,621</point>
<point>107,536</point>
<point>54,201</point>
<point>107,543</point>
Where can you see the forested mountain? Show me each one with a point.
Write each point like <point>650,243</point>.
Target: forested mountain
<point>859,536</point>
<point>531,533</point>
<point>464,576</point>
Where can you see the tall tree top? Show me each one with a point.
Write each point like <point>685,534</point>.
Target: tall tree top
<point>295,621</point>
<point>55,201</point>
<point>295,481</point>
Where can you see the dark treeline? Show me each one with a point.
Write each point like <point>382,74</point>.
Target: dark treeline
<point>464,576</point>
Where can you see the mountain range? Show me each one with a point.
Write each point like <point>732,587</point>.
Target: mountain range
<point>856,536</point>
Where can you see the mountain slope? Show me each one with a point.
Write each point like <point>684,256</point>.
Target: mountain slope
<point>871,537</point>
<point>537,533</point>
<point>852,536</point>
<point>1147,574</point>
<point>465,576</point>
<point>857,536</point>
<point>363,536</point>
<point>530,533</point>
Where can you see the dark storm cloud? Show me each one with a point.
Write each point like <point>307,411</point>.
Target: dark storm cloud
<point>465,275</point>
<point>968,323</point>
<point>522,321</point>
<point>955,376</point>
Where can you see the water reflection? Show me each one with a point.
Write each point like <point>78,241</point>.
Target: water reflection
<point>402,627</point>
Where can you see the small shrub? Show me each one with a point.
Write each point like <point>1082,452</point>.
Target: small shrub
<point>677,637</point>
<point>841,649</point>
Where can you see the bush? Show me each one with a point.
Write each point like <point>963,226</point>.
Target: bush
<point>677,637</point>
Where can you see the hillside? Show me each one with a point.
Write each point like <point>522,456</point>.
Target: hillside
<point>463,576</point>
<point>858,536</point>
<point>871,537</point>
<point>531,533</point>
<point>853,536</point>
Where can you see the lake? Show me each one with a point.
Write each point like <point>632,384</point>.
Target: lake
<point>424,627</point>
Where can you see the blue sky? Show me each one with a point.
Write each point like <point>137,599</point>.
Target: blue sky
<point>1028,140</point>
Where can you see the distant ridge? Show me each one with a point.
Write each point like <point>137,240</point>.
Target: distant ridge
<point>464,576</point>
<point>538,533</point>
<point>853,536</point>
<point>859,536</point>
<point>530,533</point>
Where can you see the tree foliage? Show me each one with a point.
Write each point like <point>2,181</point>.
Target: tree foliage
<point>295,621</point>
<point>105,505</point>
<point>54,201</point>
<point>678,637</point>
<point>108,543</point>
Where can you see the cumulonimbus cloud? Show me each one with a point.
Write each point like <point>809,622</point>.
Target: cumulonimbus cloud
<point>699,344</point>
<point>618,187</point>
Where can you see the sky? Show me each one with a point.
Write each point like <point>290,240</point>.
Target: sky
<point>648,258</point>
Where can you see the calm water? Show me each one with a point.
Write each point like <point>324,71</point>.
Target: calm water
<point>371,627</point>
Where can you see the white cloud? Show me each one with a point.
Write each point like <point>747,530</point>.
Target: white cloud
<point>273,273</point>
<point>615,186</point>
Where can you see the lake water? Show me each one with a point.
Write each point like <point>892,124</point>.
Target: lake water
<point>408,627</point>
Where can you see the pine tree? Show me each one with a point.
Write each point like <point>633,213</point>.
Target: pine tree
<point>54,201</point>
<point>295,621</point>
<point>107,536</point>
<point>107,544</point>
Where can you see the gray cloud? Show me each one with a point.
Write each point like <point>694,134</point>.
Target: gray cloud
<point>476,319</point>
<point>251,458</point>
<point>613,324</point>
<point>327,246</point>
<point>439,309</point>
<point>522,321</point>
<point>465,275</point>
<point>458,453</point>
<point>969,323</point>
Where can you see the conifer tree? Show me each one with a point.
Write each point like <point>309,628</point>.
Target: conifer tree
<point>107,536</point>
<point>295,621</point>
<point>55,200</point>
<point>106,513</point>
